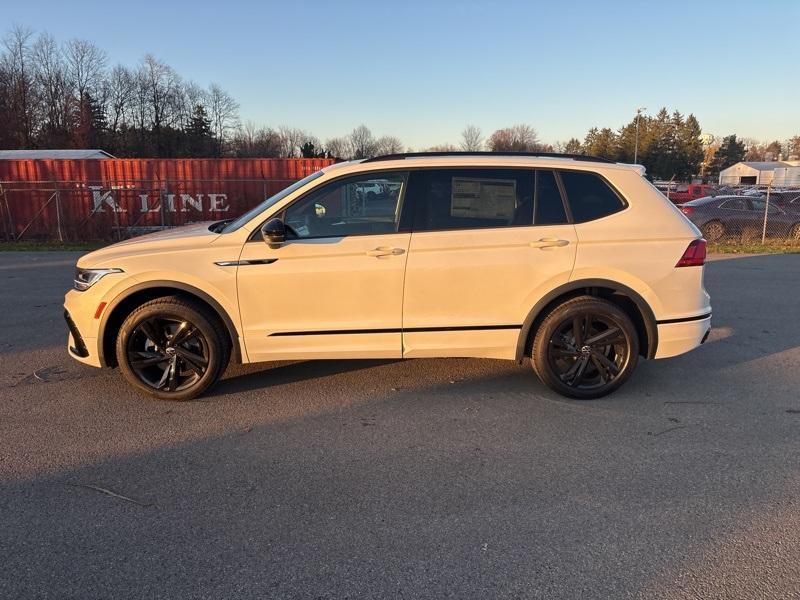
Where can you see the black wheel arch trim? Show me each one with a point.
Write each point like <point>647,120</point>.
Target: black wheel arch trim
<point>236,353</point>
<point>649,318</point>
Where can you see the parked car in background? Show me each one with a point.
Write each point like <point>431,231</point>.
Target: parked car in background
<point>788,200</point>
<point>685,192</point>
<point>720,216</point>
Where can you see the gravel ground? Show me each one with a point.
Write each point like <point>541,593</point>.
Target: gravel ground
<point>405,479</point>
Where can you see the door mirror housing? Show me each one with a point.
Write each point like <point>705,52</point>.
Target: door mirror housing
<point>274,233</point>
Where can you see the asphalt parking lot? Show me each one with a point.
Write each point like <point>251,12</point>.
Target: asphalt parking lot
<point>405,479</point>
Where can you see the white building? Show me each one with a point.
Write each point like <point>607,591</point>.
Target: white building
<point>754,173</point>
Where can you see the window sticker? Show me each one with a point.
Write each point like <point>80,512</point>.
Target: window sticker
<point>483,198</point>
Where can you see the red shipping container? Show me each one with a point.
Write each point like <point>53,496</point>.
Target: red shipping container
<point>109,198</point>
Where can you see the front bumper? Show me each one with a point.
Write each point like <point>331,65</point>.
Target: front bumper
<point>79,310</point>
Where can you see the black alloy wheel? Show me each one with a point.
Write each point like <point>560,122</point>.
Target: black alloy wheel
<point>167,353</point>
<point>172,348</point>
<point>586,348</point>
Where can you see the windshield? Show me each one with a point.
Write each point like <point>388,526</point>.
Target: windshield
<point>271,201</point>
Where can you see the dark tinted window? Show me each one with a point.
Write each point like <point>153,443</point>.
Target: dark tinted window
<point>735,204</point>
<point>365,204</point>
<point>549,206</point>
<point>589,196</point>
<point>471,198</point>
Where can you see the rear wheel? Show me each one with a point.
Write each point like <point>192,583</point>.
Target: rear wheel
<point>585,348</point>
<point>172,348</point>
<point>713,231</point>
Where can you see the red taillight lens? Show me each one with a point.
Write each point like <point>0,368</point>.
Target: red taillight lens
<point>687,210</point>
<point>695,255</point>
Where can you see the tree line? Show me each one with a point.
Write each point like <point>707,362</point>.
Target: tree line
<point>67,95</point>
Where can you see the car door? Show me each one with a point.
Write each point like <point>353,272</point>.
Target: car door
<point>334,289</point>
<point>477,262</point>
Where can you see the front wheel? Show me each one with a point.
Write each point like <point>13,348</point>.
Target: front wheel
<point>585,348</point>
<point>172,348</point>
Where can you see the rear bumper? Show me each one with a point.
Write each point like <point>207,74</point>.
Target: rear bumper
<point>679,337</point>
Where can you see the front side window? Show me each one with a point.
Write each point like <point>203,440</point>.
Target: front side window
<point>362,205</point>
<point>471,198</point>
<point>589,196</point>
<point>735,204</point>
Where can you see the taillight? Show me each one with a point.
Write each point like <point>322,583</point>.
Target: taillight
<point>687,210</point>
<point>695,255</point>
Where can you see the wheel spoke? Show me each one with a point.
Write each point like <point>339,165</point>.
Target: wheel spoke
<point>164,376</point>
<point>147,359</point>
<point>195,362</point>
<point>577,331</point>
<point>583,362</point>
<point>602,336</point>
<point>184,332</point>
<point>173,375</point>
<point>607,362</point>
<point>153,332</point>
<point>605,375</point>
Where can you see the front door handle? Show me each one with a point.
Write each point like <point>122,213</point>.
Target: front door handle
<point>548,243</point>
<point>385,251</point>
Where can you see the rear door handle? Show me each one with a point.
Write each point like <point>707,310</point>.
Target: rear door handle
<point>548,243</point>
<point>385,251</point>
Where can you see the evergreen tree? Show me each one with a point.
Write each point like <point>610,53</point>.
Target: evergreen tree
<point>200,139</point>
<point>730,152</point>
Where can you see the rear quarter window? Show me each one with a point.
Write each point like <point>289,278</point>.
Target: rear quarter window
<point>589,196</point>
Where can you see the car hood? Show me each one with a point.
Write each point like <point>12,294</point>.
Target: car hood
<point>188,236</point>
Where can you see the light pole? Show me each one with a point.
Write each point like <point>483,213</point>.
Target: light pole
<point>636,145</point>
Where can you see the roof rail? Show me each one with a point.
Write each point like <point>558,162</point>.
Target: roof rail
<point>458,153</point>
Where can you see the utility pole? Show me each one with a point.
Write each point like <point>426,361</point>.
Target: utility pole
<point>636,146</point>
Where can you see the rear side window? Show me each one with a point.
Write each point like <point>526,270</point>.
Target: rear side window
<point>589,196</point>
<point>549,205</point>
<point>471,198</point>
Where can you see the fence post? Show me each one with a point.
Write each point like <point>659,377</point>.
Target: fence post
<point>8,225</point>
<point>766,210</point>
<point>58,213</point>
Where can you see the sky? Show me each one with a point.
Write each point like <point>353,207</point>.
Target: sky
<point>423,70</point>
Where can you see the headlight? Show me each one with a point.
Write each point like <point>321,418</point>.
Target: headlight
<point>86,278</point>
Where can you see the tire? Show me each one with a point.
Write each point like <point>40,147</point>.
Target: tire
<point>585,370</point>
<point>188,366</point>
<point>713,231</point>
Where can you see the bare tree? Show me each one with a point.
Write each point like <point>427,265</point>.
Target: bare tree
<point>362,143</point>
<point>120,96</point>
<point>51,80</point>
<point>519,138</point>
<point>388,144</point>
<point>223,110</point>
<point>21,85</point>
<point>86,64</point>
<point>442,148</point>
<point>162,86</point>
<point>337,147</point>
<point>292,139</point>
<point>472,139</point>
<point>250,141</point>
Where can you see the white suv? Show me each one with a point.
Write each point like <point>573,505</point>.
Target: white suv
<point>579,264</point>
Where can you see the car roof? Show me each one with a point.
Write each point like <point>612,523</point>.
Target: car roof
<point>483,159</point>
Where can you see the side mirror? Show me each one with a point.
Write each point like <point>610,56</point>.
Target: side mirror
<point>274,233</point>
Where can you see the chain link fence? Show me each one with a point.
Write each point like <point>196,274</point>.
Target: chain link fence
<point>747,214</point>
<point>109,211</point>
<point>82,211</point>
